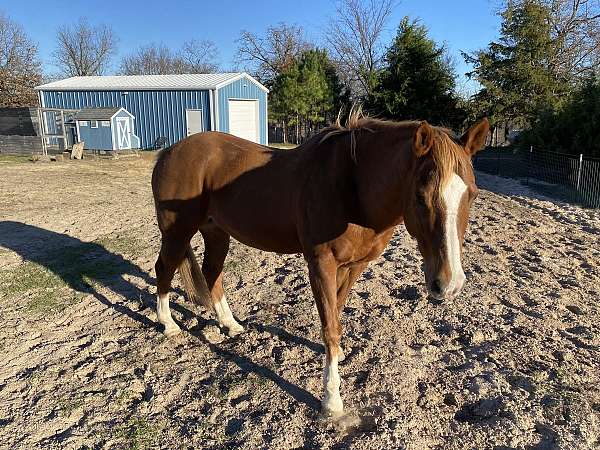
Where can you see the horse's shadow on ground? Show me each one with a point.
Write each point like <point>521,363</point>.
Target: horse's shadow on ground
<point>87,266</point>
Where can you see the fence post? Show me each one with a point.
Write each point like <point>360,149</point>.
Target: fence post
<point>497,161</point>
<point>529,164</point>
<point>577,192</point>
<point>579,171</point>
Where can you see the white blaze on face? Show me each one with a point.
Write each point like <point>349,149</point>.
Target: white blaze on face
<point>452,195</point>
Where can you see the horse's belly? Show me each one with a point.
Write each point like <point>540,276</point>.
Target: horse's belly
<point>259,230</point>
<point>269,240</point>
<point>269,243</point>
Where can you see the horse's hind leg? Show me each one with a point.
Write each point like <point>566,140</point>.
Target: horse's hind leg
<point>172,252</point>
<point>216,247</point>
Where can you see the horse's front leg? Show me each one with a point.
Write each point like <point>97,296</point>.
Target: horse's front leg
<point>346,277</point>
<point>322,272</point>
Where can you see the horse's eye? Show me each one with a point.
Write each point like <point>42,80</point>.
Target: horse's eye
<point>421,199</point>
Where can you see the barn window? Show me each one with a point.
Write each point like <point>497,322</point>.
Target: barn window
<point>105,123</point>
<point>94,123</point>
<point>83,123</point>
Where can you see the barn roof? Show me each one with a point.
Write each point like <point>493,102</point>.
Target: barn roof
<point>146,82</point>
<point>96,113</point>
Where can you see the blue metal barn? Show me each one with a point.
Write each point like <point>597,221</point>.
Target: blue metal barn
<point>167,107</point>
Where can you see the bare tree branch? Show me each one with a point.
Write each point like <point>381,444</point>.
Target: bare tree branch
<point>354,39</point>
<point>83,49</point>
<point>153,59</point>
<point>157,59</point>
<point>272,53</point>
<point>20,69</point>
<point>200,56</point>
<point>576,32</point>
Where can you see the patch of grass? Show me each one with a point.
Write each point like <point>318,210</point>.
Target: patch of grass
<point>232,265</point>
<point>13,159</point>
<point>122,397</point>
<point>282,146</point>
<point>46,291</point>
<point>51,302</point>
<point>138,433</point>
<point>51,280</point>
<point>257,382</point>
<point>562,373</point>
<point>67,407</point>
<point>122,244</point>
<point>26,277</point>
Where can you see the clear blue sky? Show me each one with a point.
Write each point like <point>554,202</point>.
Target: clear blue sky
<point>460,24</point>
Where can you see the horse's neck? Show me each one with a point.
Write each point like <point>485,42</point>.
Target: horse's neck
<point>383,177</point>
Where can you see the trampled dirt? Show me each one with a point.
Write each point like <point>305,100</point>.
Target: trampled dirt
<point>514,363</point>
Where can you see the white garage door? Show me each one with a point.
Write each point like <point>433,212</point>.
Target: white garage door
<point>243,119</point>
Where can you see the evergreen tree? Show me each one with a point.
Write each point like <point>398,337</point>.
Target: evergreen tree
<point>285,99</point>
<point>516,73</point>
<point>573,128</point>
<point>307,95</point>
<point>417,81</point>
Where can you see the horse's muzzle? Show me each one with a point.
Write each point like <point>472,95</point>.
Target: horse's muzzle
<point>440,290</point>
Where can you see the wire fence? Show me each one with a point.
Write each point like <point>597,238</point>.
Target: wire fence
<point>571,178</point>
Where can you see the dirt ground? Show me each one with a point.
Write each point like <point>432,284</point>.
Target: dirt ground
<point>514,363</point>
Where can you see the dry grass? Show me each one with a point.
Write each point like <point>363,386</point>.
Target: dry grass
<point>13,159</point>
<point>282,146</point>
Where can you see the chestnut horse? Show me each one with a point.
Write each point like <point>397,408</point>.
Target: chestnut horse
<point>336,199</point>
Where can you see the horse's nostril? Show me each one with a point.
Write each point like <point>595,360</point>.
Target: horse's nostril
<point>436,287</point>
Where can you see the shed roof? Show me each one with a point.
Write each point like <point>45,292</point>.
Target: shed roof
<point>96,113</point>
<point>146,82</point>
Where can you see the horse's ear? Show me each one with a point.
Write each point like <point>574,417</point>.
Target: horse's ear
<point>474,138</point>
<point>423,139</point>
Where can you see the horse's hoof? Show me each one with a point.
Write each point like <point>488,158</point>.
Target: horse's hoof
<point>172,330</point>
<point>333,407</point>
<point>234,329</point>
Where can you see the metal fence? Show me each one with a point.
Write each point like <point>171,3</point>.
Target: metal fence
<point>571,178</point>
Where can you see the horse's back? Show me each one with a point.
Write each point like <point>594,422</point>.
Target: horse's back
<point>213,156</point>
<point>245,188</point>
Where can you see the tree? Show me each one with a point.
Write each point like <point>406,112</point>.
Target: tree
<point>307,95</point>
<point>572,128</point>
<point>273,53</point>
<point>153,59</point>
<point>417,80</point>
<point>546,48</point>
<point>516,72</point>
<point>158,59</point>
<point>83,49</point>
<point>354,39</point>
<point>285,101</point>
<point>575,31</point>
<point>20,69</point>
<point>200,56</point>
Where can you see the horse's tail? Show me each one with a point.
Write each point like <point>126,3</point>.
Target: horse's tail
<point>193,280</point>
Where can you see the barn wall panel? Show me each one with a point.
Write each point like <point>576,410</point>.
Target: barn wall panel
<point>157,113</point>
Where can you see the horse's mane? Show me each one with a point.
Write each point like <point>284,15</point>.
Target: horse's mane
<point>447,151</point>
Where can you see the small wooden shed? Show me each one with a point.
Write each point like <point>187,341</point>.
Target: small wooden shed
<point>106,129</point>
